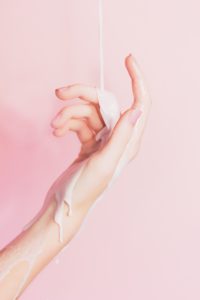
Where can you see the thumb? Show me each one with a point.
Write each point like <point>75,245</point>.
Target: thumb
<point>121,134</point>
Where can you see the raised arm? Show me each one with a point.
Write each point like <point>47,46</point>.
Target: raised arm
<point>24,257</point>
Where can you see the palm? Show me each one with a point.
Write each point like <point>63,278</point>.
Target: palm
<point>84,117</point>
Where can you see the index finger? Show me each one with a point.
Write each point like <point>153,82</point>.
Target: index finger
<point>78,90</point>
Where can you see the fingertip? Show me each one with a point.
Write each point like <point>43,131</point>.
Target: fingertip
<point>128,62</point>
<point>126,59</point>
<point>130,58</point>
<point>58,133</point>
<point>54,126</point>
<point>59,93</point>
<point>54,133</point>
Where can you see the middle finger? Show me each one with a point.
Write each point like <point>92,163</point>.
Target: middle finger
<point>87,111</point>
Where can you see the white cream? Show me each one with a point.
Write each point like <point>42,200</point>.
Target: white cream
<point>62,189</point>
<point>110,112</point>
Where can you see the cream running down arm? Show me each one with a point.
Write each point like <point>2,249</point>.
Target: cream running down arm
<point>105,151</point>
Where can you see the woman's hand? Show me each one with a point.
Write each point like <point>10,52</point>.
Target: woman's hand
<point>85,119</point>
<point>38,244</point>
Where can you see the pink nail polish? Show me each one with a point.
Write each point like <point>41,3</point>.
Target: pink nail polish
<point>134,115</point>
<point>62,88</point>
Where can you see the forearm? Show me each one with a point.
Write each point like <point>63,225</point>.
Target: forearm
<point>34,248</point>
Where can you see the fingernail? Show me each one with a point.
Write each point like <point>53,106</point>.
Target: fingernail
<point>133,59</point>
<point>61,89</point>
<point>134,115</point>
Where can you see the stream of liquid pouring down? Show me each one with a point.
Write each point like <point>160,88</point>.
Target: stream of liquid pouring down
<point>101,53</point>
<point>62,189</point>
<point>110,111</point>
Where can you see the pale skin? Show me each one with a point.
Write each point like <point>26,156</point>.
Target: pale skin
<point>86,121</point>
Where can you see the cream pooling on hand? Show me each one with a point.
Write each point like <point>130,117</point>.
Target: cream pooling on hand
<point>62,189</point>
<point>110,112</point>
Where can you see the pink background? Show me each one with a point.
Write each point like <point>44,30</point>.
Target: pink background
<point>142,240</point>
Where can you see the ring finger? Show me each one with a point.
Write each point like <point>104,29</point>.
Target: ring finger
<point>84,133</point>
